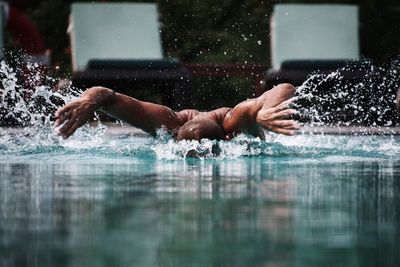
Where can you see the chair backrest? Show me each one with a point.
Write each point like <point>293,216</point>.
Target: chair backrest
<point>314,31</point>
<point>114,31</point>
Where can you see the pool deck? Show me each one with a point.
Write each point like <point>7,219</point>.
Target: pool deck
<point>116,130</point>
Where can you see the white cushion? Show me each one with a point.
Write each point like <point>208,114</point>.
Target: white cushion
<point>114,31</point>
<point>314,31</point>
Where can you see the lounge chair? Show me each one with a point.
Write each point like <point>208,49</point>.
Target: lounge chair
<point>119,45</point>
<point>318,39</point>
<point>312,37</point>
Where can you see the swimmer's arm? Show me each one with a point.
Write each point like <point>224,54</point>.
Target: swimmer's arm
<point>144,115</point>
<point>249,115</point>
<point>241,119</point>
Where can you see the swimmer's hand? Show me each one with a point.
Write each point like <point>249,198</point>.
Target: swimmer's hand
<point>73,115</point>
<point>277,119</point>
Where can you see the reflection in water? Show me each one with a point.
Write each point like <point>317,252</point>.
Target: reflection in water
<point>243,212</point>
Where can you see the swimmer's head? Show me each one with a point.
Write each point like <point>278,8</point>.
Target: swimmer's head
<point>200,128</point>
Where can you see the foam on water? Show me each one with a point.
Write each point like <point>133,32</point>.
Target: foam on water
<point>32,108</point>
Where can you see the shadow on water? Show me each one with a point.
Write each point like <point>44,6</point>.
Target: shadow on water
<point>243,212</point>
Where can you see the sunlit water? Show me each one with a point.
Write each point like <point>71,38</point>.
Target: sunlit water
<point>124,200</point>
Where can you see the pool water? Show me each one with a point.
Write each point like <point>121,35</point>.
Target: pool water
<point>100,200</point>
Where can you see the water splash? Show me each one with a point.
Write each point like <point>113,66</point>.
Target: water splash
<point>301,147</point>
<point>357,94</point>
<point>30,102</point>
<point>28,99</point>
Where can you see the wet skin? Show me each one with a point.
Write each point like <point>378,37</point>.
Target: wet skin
<point>270,111</point>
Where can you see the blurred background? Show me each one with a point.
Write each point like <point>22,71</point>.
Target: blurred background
<point>207,31</point>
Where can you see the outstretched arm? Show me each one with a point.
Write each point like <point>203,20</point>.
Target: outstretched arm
<point>270,111</point>
<point>144,115</point>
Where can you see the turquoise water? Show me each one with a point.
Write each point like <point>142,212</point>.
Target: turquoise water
<point>99,200</point>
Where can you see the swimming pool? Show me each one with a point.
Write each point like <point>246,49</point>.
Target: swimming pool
<point>123,200</point>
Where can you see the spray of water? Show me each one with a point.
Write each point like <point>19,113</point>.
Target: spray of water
<point>28,99</point>
<point>360,94</point>
<point>30,103</point>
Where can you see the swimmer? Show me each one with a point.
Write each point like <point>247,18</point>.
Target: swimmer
<point>270,111</point>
